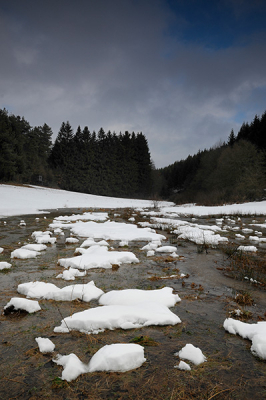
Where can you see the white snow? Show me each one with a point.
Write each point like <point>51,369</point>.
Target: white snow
<point>183,366</point>
<point>34,247</point>
<point>95,320</point>
<point>192,353</point>
<point>247,248</point>
<point>199,235</point>
<point>91,242</point>
<point>87,216</point>
<point>71,240</point>
<point>163,296</point>
<point>254,332</point>
<point>253,208</point>
<point>49,291</point>
<point>24,253</point>
<point>18,303</point>
<point>5,265</point>
<point>166,249</point>
<point>15,200</point>
<point>98,257</point>
<point>72,365</point>
<point>1,250</point>
<point>111,230</point>
<point>120,357</point>
<point>45,345</point>
<point>70,274</point>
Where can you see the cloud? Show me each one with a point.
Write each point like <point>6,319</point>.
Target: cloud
<point>116,65</point>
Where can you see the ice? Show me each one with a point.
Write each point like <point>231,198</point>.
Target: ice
<point>18,303</point>
<point>163,296</point>
<point>45,345</point>
<point>95,320</point>
<point>192,353</point>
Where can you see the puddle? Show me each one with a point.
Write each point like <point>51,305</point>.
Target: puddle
<point>231,371</point>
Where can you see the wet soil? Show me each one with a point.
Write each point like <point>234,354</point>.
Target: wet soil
<point>231,371</point>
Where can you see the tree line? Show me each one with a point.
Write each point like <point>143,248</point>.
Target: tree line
<point>234,171</point>
<point>99,163</point>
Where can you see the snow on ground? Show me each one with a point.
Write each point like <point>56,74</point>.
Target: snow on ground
<point>119,357</point>
<point>43,237</point>
<point>98,319</point>
<point>254,332</point>
<point>128,308</point>
<point>34,247</point>
<point>87,216</point>
<point>98,257</point>
<point>191,353</point>
<point>5,265</point>
<point>163,296</point>
<point>253,208</point>
<point>71,240</point>
<point>45,345</point>
<point>24,253</point>
<point>70,274</point>
<point>110,230</point>
<point>49,291</point>
<point>19,303</point>
<point>252,249</point>
<point>15,200</point>
<point>183,366</point>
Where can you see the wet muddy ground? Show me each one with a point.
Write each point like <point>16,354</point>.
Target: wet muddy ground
<point>207,296</point>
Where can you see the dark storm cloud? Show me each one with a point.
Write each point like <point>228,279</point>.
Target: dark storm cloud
<point>127,65</point>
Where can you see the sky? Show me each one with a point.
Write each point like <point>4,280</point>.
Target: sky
<point>182,72</point>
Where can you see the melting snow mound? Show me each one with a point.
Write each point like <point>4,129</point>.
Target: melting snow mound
<point>5,265</point>
<point>119,357</point>
<point>192,353</point>
<point>114,358</point>
<point>24,253</point>
<point>128,297</point>
<point>254,332</point>
<point>95,320</point>
<point>18,303</point>
<point>49,291</point>
<point>98,257</point>
<point>45,345</point>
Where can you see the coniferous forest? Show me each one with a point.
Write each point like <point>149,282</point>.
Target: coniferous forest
<point>102,163</point>
<point>233,171</point>
<point>119,165</point>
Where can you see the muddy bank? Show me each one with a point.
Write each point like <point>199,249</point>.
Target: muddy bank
<point>231,371</point>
